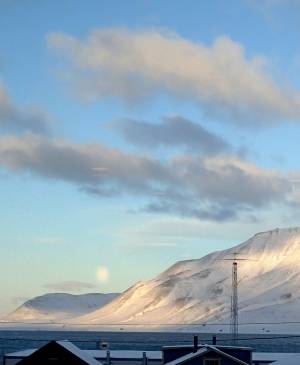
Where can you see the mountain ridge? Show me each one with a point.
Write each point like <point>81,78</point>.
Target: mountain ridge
<point>51,307</point>
<point>199,290</point>
<point>196,294</point>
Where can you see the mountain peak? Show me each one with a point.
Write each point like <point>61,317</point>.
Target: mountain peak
<point>199,290</point>
<point>59,306</point>
<point>280,242</point>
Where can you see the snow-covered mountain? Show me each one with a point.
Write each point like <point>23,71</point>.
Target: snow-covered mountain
<point>195,291</point>
<point>55,307</point>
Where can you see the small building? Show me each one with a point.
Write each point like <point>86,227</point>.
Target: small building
<point>210,355</point>
<point>59,353</point>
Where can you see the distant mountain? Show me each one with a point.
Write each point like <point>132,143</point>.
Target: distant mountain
<point>199,291</point>
<point>55,307</point>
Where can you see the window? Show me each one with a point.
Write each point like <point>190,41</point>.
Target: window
<point>211,362</point>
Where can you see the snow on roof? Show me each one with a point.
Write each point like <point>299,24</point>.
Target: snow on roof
<point>82,354</point>
<point>280,357</point>
<point>86,357</point>
<point>202,351</point>
<point>219,346</point>
<point>186,357</point>
<point>20,354</point>
<point>114,354</point>
<point>238,361</point>
<point>126,354</point>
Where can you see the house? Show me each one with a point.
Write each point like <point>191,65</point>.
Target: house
<point>59,353</point>
<point>112,357</point>
<point>212,355</point>
<point>209,355</point>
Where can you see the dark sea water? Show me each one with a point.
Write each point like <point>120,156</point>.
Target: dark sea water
<point>11,341</point>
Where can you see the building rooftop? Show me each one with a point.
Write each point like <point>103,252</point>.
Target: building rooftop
<point>280,358</point>
<point>204,349</point>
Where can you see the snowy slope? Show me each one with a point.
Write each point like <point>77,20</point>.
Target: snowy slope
<point>59,307</point>
<point>199,290</point>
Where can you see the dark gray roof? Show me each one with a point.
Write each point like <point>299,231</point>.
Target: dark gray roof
<point>84,356</point>
<point>203,350</point>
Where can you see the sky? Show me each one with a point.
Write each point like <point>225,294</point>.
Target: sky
<point>134,134</point>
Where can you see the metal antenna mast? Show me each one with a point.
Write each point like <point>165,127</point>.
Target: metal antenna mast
<point>234,319</point>
<point>234,312</point>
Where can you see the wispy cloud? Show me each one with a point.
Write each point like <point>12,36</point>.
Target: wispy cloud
<point>139,240</point>
<point>135,66</point>
<point>173,131</point>
<point>76,163</point>
<point>220,187</point>
<point>182,233</point>
<point>19,120</point>
<point>69,286</point>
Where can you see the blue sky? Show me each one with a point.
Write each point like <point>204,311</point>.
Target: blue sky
<point>134,134</point>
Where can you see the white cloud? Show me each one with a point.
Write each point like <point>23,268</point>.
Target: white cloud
<point>221,78</point>
<point>70,286</point>
<point>102,274</point>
